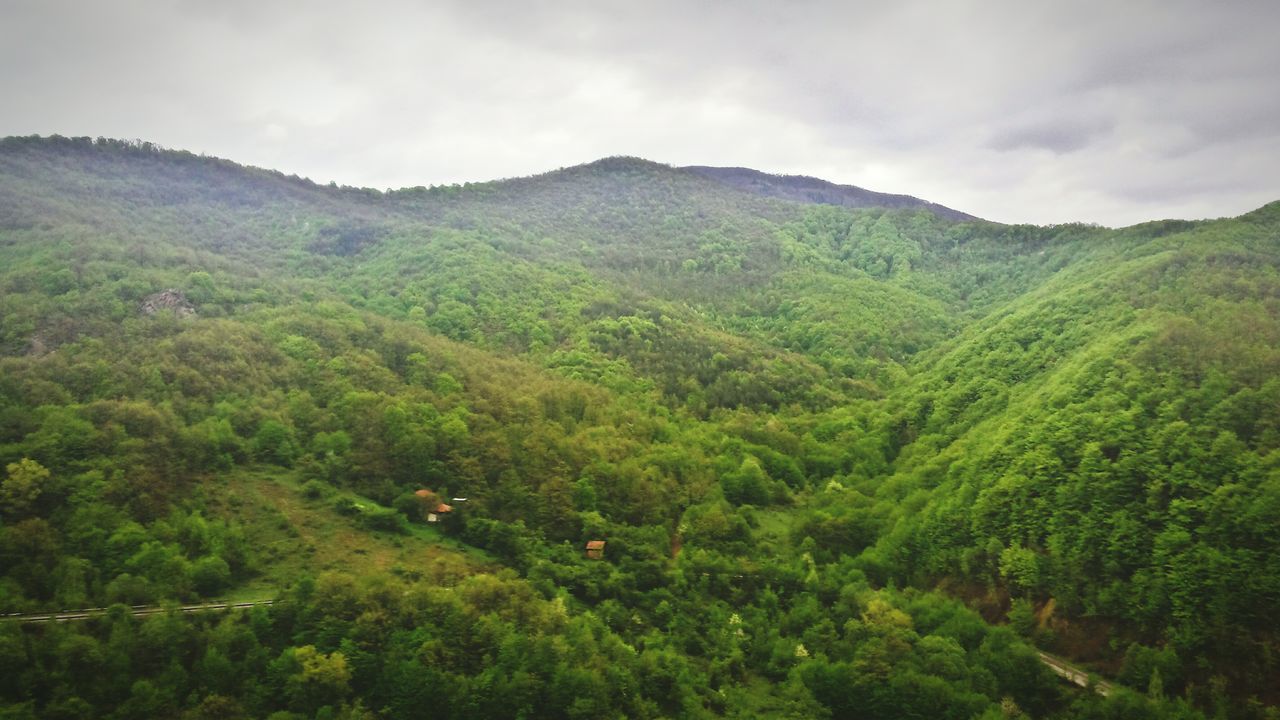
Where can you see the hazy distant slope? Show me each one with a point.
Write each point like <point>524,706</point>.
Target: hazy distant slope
<point>621,213</point>
<point>801,188</point>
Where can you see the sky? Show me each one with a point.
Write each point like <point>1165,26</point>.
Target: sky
<point>1035,111</point>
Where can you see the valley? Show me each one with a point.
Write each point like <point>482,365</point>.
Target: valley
<point>848,459</point>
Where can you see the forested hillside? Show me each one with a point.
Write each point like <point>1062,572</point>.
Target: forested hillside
<point>846,462</point>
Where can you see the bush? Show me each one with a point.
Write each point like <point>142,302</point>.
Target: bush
<point>346,506</point>
<point>316,489</point>
<point>411,506</point>
<point>210,575</point>
<point>384,519</point>
<point>130,590</point>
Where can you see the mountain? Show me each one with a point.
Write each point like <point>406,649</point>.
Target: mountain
<point>844,461</point>
<point>801,188</point>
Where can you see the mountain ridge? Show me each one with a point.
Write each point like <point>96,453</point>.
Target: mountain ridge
<point>793,188</point>
<point>805,188</point>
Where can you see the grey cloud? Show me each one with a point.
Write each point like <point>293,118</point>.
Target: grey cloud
<point>1059,137</point>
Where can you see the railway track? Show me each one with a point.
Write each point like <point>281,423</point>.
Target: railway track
<point>1073,674</point>
<point>136,610</point>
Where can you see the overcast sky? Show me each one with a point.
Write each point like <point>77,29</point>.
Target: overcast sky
<point>1019,111</point>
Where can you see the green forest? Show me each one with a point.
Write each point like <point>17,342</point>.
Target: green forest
<point>845,463</point>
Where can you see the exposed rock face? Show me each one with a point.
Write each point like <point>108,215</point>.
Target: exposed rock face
<point>38,346</point>
<point>171,300</point>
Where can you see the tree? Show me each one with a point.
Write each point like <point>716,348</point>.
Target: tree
<point>274,444</point>
<point>318,679</point>
<point>1022,617</point>
<point>19,491</point>
<point>1020,566</point>
<point>749,484</point>
<point>200,287</point>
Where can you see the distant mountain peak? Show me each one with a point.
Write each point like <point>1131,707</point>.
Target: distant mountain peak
<point>625,162</point>
<point>802,188</point>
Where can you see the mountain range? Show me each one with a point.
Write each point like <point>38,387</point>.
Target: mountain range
<point>850,454</point>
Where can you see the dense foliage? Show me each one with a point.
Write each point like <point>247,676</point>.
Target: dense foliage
<point>848,463</point>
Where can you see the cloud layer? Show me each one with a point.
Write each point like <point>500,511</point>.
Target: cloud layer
<point>1016,111</point>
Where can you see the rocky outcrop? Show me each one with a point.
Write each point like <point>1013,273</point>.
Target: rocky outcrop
<point>171,300</point>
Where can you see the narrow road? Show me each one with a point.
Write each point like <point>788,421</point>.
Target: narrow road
<point>138,610</point>
<point>1073,674</point>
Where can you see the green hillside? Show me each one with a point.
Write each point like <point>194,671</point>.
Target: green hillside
<point>847,462</point>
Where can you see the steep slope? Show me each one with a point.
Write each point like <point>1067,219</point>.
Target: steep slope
<point>1106,448</point>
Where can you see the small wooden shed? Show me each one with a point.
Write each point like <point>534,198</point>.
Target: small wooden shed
<point>595,549</point>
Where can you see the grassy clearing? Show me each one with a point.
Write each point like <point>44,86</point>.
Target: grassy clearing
<point>773,526</point>
<point>293,535</point>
